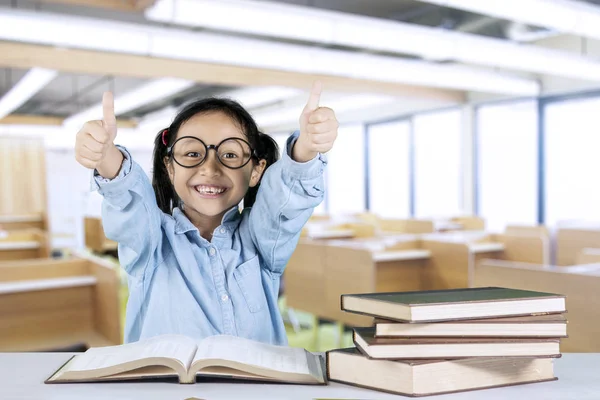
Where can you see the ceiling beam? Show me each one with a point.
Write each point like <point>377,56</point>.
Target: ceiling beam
<point>118,5</point>
<point>92,34</point>
<point>17,55</point>
<point>26,119</point>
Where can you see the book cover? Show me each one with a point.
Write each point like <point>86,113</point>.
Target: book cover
<point>433,297</point>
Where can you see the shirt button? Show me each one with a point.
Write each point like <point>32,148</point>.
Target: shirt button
<point>224,297</point>
<point>212,251</point>
<point>223,230</point>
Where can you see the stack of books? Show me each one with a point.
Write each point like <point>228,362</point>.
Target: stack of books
<point>432,342</point>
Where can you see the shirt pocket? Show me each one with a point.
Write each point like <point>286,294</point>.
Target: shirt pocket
<point>248,278</point>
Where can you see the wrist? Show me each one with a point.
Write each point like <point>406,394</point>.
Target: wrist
<point>110,166</point>
<point>301,155</point>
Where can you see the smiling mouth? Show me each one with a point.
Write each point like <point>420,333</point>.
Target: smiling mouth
<point>210,190</point>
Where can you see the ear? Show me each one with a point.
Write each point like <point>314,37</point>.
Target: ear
<point>169,166</point>
<point>257,172</point>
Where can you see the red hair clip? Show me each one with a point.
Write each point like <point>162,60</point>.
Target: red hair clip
<point>164,136</point>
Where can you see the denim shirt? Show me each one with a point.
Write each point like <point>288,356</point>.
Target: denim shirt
<point>181,283</point>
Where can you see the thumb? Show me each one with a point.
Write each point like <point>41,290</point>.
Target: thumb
<point>108,114</point>
<point>314,98</point>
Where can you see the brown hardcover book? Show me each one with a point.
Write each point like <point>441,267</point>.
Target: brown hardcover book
<point>548,325</point>
<point>449,348</point>
<point>453,304</point>
<point>181,357</point>
<point>423,378</point>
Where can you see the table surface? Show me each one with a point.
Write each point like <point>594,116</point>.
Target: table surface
<point>22,377</point>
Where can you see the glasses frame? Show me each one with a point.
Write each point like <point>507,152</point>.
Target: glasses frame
<point>209,147</point>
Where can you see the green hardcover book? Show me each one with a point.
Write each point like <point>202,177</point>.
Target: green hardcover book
<point>453,304</point>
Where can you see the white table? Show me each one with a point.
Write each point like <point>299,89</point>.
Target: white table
<point>22,376</point>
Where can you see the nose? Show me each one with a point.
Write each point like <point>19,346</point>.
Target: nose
<point>211,165</point>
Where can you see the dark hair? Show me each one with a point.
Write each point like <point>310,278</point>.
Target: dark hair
<point>265,147</point>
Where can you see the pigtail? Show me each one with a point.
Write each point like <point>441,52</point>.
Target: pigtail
<point>166,198</point>
<point>268,150</point>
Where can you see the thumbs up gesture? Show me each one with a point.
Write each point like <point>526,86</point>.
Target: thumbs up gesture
<point>94,147</point>
<point>318,128</point>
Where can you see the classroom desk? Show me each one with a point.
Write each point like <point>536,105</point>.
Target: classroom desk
<point>331,234</point>
<point>22,376</point>
<point>401,255</point>
<point>485,247</point>
<point>20,245</point>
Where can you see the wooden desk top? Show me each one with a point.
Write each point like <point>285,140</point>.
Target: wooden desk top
<point>399,255</point>
<point>20,218</point>
<point>19,245</point>
<point>22,376</point>
<point>46,284</point>
<point>485,247</point>
<point>331,234</point>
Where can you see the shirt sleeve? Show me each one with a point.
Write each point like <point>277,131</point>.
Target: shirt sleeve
<point>130,214</point>
<point>288,193</point>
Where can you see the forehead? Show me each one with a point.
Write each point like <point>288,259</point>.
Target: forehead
<point>211,128</point>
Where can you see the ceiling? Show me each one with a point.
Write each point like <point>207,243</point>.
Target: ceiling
<point>70,93</point>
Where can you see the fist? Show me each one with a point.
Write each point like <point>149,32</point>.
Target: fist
<point>318,128</point>
<point>95,139</point>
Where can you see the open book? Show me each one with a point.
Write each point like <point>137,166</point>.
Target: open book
<point>183,357</point>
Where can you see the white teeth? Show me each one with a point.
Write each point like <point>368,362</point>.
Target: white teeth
<point>209,190</point>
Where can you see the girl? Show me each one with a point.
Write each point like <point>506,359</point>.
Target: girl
<point>196,265</point>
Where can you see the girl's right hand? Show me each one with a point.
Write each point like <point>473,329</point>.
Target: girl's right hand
<point>94,144</point>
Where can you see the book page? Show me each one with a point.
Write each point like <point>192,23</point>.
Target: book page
<point>245,351</point>
<point>178,347</point>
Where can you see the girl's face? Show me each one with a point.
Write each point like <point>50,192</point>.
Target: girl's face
<point>210,189</point>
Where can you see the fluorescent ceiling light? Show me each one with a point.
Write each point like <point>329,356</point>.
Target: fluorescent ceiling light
<point>63,30</point>
<point>154,90</point>
<point>330,27</point>
<point>33,81</point>
<point>573,17</point>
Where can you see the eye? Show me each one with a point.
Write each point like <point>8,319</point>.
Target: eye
<point>193,154</point>
<point>229,155</point>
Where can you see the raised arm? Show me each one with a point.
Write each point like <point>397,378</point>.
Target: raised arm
<point>292,187</point>
<point>130,215</point>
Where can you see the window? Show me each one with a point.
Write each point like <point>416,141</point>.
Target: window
<point>346,172</point>
<point>507,158</point>
<point>572,146</point>
<point>389,169</point>
<point>438,170</point>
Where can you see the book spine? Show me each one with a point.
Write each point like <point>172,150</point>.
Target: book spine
<point>187,380</point>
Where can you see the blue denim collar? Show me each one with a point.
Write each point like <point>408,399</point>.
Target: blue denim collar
<point>183,224</point>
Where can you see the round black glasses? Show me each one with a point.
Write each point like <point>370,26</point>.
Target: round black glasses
<point>189,152</point>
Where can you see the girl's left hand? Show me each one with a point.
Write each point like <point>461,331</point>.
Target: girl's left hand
<point>318,128</point>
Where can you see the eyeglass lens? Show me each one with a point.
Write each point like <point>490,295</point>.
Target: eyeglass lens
<point>232,153</point>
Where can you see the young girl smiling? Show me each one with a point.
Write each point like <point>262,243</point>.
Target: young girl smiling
<point>196,264</point>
